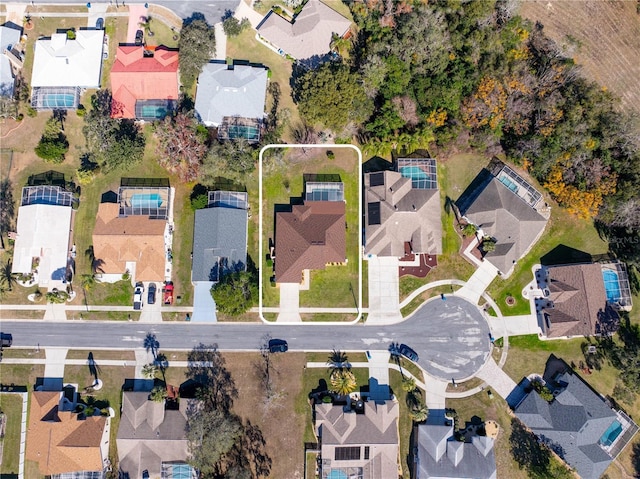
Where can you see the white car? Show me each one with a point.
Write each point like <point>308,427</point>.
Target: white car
<point>137,296</point>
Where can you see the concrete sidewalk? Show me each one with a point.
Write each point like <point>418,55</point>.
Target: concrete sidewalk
<point>496,378</point>
<point>478,283</point>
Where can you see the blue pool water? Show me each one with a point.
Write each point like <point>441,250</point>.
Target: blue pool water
<point>508,183</point>
<point>611,434</point>
<point>611,285</point>
<point>413,172</point>
<point>59,100</point>
<point>337,474</point>
<point>146,200</point>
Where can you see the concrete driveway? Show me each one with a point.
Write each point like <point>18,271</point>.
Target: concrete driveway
<point>289,303</point>
<point>151,313</point>
<point>384,292</point>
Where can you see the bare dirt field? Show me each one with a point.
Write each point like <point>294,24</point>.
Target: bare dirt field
<point>602,36</point>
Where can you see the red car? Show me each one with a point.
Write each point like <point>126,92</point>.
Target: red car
<point>168,293</point>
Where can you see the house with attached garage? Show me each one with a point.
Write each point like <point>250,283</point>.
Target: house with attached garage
<point>219,247</point>
<point>11,57</point>
<point>65,64</point>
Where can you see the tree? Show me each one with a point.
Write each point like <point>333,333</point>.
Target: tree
<point>409,384</point>
<point>488,244</point>
<point>215,386</point>
<point>145,23</point>
<point>343,382</point>
<point>527,451</point>
<point>149,371</point>
<point>211,434</point>
<point>158,393</point>
<point>469,229</point>
<point>332,96</point>
<point>151,344</point>
<point>88,281</point>
<point>233,159</point>
<point>181,145</point>
<point>7,208</point>
<point>234,27</point>
<point>338,361</point>
<point>53,143</point>
<point>7,278</point>
<point>419,413</point>
<point>235,293</point>
<point>197,47</point>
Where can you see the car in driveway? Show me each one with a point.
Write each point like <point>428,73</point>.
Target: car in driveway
<point>278,346</point>
<point>408,353</point>
<point>100,23</point>
<point>139,38</point>
<point>151,295</point>
<point>137,296</point>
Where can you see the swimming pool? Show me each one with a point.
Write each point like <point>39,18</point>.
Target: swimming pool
<point>611,285</point>
<point>508,183</point>
<point>337,474</point>
<point>146,200</point>
<point>419,178</point>
<point>58,100</point>
<point>611,434</point>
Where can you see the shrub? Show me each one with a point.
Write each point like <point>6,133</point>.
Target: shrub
<point>331,155</point>
<point>199,202</point>
<point>85,176</point>
<point>31,112</point>
<point>71,34</point>
<point>57,297</point>
<point>81,111</point>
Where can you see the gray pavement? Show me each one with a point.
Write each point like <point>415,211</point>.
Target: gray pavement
<point>384,292</point>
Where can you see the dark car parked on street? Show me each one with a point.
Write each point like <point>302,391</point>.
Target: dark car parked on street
<point>409,353</point>
<point>7,340</point>
<point>278,346</point>
<point>151,296</point>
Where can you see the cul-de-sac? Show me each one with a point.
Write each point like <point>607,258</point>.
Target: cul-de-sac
<point>320,239</point>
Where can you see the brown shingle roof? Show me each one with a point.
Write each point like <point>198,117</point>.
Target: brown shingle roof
<point>117,240</point>
<point>58,441</point>
<point>309,237</point>
<point>579,299</point>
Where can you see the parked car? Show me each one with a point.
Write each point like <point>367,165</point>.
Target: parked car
<point>139,37</point>
<point>137,296</point>
<point>168,293</point>
<point>278,346</point>
<point>100,23</point>
<point>6,340</point>
<point>408,353</point>
<point>151,295</point>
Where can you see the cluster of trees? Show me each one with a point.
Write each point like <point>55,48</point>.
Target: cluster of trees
<point>236,292</point>
<point>221,444</point>
<point>53,144</point>
<point>420,72</point>
<point>197,46</point>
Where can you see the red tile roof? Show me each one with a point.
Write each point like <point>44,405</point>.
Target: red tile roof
<point>309,237</point>
<point>136,77</point>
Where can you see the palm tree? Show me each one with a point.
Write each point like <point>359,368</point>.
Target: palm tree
<point>87,281</point>
<point>7,278</point>
<point>343,382</point>
<point>145,23</point>
<point>338,361</point>
<point>149,371</point>
<point>409,384</point>
<point>151,344</point>
<point>469,229</point>
<point>158,394</point>
<point>96,263</point>
<point>162,363</point>
<point>420,413</point>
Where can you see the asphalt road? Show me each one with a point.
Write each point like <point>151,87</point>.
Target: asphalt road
<point>451,337</point>
<point>213,10</point>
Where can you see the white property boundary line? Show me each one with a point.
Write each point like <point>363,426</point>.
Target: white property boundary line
<point>359,233</point>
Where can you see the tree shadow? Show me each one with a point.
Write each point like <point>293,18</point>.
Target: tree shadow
<point>151,344</point>
<point>635,459</point>
<point>563,254</point>
<point>94,369</point>
<point>216,388</point>
<point>527,451</point>
<point>193,17</point>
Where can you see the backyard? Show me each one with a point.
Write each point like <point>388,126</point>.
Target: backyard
<point>336,285</point>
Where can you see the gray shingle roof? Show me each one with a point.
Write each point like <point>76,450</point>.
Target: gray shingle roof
<point>504,216</point>
<point>441,456</point>
<point>219,237</point>
<point>572,424</point>
<point>309,35</point>
<point>238,90</point>
<point>406,215</point>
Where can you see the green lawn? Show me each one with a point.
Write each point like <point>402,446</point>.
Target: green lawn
<point>335,286</point>
<point>405,423</point>
<point>11,407</point>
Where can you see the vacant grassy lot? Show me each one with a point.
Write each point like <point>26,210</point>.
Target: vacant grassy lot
<point>11,407</point>
<point>335,286</point>
<point>602,37</point>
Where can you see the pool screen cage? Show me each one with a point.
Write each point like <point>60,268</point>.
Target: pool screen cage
<point>624,302</point>
<point>343,473</point>
<point>422,171</point>
<point>173,470</point>
<point>519,186</point>
<point>228,199</point>
<point>46,195</point>
<point>55,98</point>
<point>151,201</point>
<point>79,475</point>
<point>235,127</point>
<point>324,191</point>
<point>151,110</point>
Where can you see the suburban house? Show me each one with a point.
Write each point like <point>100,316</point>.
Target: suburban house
<point>63,442</point>
<point>65,64</point>
<point>133,234</point>
<point>506,208</point>
<point>403,212</point>
<point>581,299</point>
<point>358,440</point>
<point>144,82</point>
<point>43,240</point>
<point>308,36</point>
<point>312,234</point>
<point>440,455</point>
<point>151,438</point>
<point>219,247</point>
<point>10,57</point>
<point>577,424</point>
<point>232,98</point>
